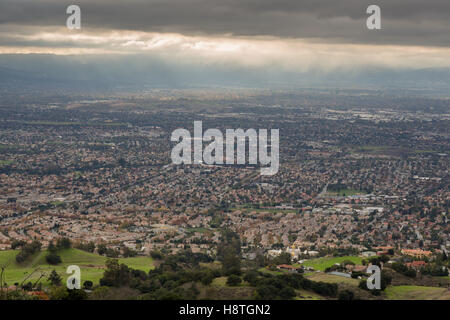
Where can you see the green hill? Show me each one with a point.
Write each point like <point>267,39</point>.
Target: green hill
<point>91,265</point>
<point>417,293</point>
<point>325,262</point>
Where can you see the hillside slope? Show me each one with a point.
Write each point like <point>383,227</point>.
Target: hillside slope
<point>92,265</point>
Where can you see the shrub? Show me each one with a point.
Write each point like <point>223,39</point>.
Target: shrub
<point>404,270</point>
<point>346,295</point>
<point>54,278</point>
<point>234,280</point>
<point>76,294</point>
<point>251,277</point>
<point>28,250</point>
<point>156,255</point>
<point>53,258</point>
<point>59,293</point>
<point>64,243</point>
<point>88,285</point>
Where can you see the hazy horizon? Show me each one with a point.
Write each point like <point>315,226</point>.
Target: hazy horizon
<point>228,43</point>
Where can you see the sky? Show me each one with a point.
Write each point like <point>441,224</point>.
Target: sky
<point>283,35</point>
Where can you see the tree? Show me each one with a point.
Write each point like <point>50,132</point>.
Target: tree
<point>283,258</point>
<point>17,244</point>
<point>157,255</point>
<point>287,293</point>
<point>101,248</point>
<point>52,248</point>
<point>229,253</point>
<point>28,250</point>
<point>88,285</point>
<point>35,246</point>
<point>231,263</point>
<point>379,260</point>
<point>251,277</point>
<point>28,286</point>
<point>385,280</point>
<point>347,262</point>
<point>53,259</point>
<point>20,257</point>
<point>85,246</point>
<point>346,295</point>
<point>207,278</point>
<point>76,294</point>
<point>112,253</point>
<point>127,252</point>
<point>64,243</point>
<point>266,292</point>
<point>90,247</point>
<point>233,280</point>
<point>192,292</point>
<point>54,278</point>
<point>403,269</point>
<point>115,275</point>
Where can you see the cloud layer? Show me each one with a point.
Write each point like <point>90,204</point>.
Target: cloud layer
<point>291,35</point>
<point>404,22</point>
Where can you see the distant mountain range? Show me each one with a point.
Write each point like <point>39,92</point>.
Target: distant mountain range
<point>86,72</point>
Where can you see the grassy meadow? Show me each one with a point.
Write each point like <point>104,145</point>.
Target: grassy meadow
<point>325,262</point>
<point>92,265</point>
<point>417,293</point>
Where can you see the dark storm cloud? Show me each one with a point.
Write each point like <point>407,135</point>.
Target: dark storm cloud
<point>412,22</point>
